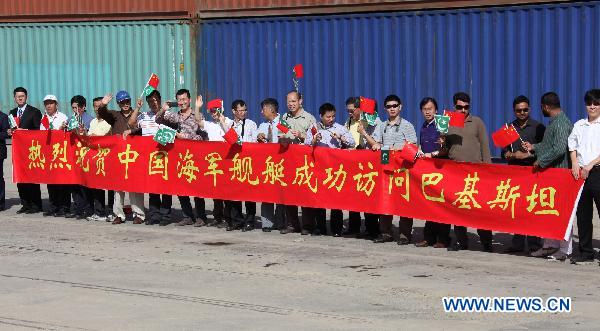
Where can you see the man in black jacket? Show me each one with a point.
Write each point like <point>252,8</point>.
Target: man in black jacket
<point>29,118</point>
<point>4,128</point>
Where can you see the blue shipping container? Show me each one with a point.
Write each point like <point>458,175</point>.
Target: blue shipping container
<point>494,54</point>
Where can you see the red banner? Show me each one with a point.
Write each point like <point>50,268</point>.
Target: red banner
<point>496,197</point>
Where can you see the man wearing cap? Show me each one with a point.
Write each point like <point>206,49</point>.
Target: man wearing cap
<point>144,124</point>
<point>359,128</point>
<point>299,121</point>
<point>119,124</point>
<point>29,118</point>
<point>58,194</point>
<point>272,217</point>
<point>393,134</point>
<point>188,128</point>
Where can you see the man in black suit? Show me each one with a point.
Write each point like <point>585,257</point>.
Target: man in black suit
<point>4,127</point>
<point>29,118</point>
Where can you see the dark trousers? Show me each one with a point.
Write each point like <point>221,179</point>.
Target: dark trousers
<point>485,236</point>
<point>234,215</point>
<point>372,224</point>
<point>292,219</point>
<point>59,197</point>
<point>2,186</point>
<point>336,221</point>
<point>314,219</point>
<point>585,213</point>
<point>434,232</point>
<point>97,201</point>
<point>159,206</point>
<point>219,210</point>
<point>30,195</point>
<point>81,200</point>
<point>186,207</point>
<point>250,209</point>
<point>353,222</point>
<point>533,243</point>
<point>110,200</point>
<point>404,226</point>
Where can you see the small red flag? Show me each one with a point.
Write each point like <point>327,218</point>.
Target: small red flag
<point>153,81</point>
<point>216,103</point>
<point>409,152</point>
<point>284,129</point>
<point>505,136</point>
<point>231,137</point>
<point>45,122</point>
<point>314,130</point>
<point>456,118</point>
<point>367,105</point>
<point>298,71</point>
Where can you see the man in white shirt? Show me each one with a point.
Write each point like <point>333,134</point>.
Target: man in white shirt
<point>272,216</point>
<point>246,130</point>
<point>58,194</point>
<point>584,150</point>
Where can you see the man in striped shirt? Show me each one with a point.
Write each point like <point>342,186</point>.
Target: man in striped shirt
<point>553,152</point>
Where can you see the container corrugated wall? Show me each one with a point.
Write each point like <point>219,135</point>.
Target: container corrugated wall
<point>94,58</point>
<point>494,54</point>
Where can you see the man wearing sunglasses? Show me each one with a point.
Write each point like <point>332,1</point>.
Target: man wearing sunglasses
<point>393,134</point>
<point>530,131</point>
<point>467,144</point>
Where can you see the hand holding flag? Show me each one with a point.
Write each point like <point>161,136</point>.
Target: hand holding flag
<point>14,121</point>
<point>231,137</point>
<point>45,122</point>
<point>283,126</point>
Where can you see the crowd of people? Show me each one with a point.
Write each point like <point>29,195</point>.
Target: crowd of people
<point>561,145</point>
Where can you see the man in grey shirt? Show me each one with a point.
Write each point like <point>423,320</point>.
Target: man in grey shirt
<point>393,134</point>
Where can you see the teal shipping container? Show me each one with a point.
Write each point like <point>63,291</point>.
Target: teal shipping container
<point>91,59</point>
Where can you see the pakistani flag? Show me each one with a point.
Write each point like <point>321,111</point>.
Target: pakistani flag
<point>441,123</point>
<point>385,156</point>
<point>165,135</point>
<point>73,123</point>
<point>369,118</point>
<point>13,121</point>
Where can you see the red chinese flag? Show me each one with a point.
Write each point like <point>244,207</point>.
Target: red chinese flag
<point>153,81</point>
<point>284,129</point>
<point>216,103</point>
<point>456,118</point>
<point>505,136</point>
<point>367,105</point>
<point>17,120</point>
<point>231,137</point>
<point>45,122</point>
<point>298,71</point>
<point>409,152</point>
<point>314,130</point>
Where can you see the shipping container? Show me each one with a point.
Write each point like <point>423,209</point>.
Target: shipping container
<point>91,59</point>
<point>494,54</point>
<point>260,8</point>
<point>94,10</point>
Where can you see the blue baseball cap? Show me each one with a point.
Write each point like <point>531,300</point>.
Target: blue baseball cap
<point>123,95</point>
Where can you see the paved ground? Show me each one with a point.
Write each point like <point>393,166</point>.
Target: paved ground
<point>58,274</point>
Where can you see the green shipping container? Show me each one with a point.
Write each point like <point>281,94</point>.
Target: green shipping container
<point>91,59</point>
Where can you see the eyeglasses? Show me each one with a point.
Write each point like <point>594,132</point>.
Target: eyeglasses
<point>395,105</point>
<point>522,110</point>
<point>459,107</point>
<point>240,110</point>
<point>594,103</point>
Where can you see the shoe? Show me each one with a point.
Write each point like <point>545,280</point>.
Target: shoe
<point>33,210</point>
<point>267,229</point>
<point>221,225</point>
<point>558,256</point>
<point>164,222</point>
<point>214,222</point>
<point>337,235</point>
<point>457,247</point>
<point>423,243</point>
<point>383,238</point>
<point>582,260</point>
<point>287,230</point>
<point>23,210</point>
<point>81,216</point>
<point>316,232</point>
<point>48,213</point>
<point>110,218</point>
<point>403,240</point>
<point>544,252</point>
<point>91,218</point>
<point>199,223</point>
<point>152,221</point>
<point>138,220</point>
<point>488,248</point>
<point>117,220</point>
<point>232,227</point>
<point>70,215</point>
<point>513,249</point>
<point>440,245</point>
<point>60,213</point>
<point>185,221</point>
<point>305,232</point>
<point>248,227</point>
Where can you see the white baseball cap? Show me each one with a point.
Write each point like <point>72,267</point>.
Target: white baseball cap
<point>50,97</point>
